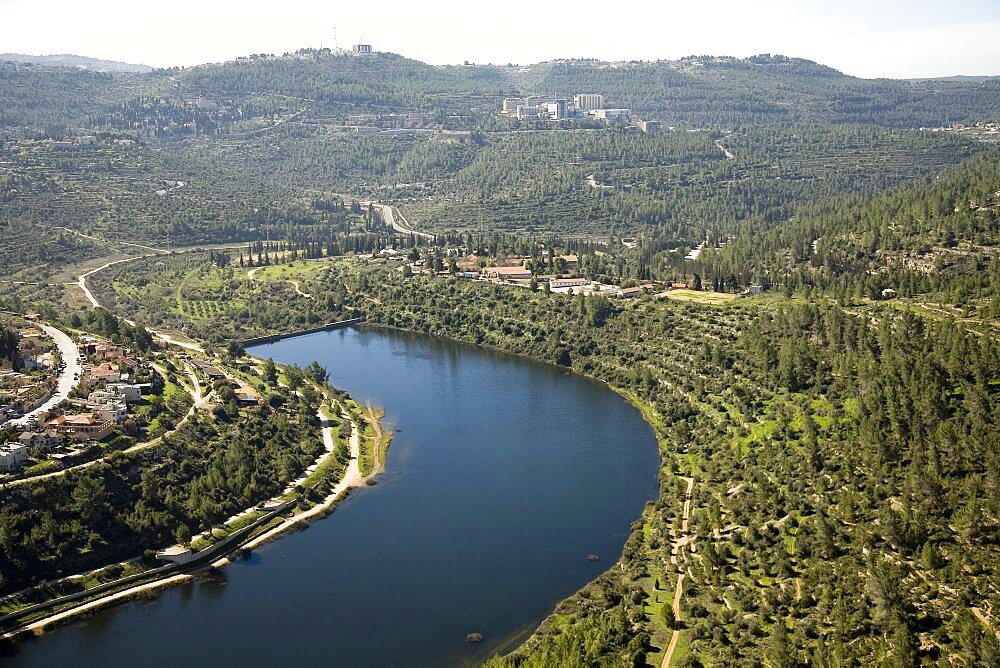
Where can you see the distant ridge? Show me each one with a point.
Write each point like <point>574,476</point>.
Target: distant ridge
<point>79,62</point>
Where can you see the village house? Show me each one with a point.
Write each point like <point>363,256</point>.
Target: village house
<point>106,373</point>
<point>245,397</point>
<point>508,273</point>
<point>106,351</point>
<point>80,427</point>
<point>211,371</point>
<point>571,262</point>
<point>637,291</point>
<point>46,440</point>
<point>132,394</point>
<point>679,286</point>
<point>12,456</point>
<point>513,261</point>
<point>102,396</point>
<point>567,282</point>
<point>467,263</point>
<point>112,411</point>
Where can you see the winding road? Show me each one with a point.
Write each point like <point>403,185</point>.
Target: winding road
<point>163,336</point>
<point>82,278</point>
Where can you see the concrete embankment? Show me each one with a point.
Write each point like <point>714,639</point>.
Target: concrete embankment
<point>203,558</point>
<point>271,338</point>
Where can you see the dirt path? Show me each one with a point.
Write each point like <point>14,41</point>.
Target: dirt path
<point>122,243</point>
<point>298,289</point>
<point>163,336</point>
<point>82,279</point>
<point>352,478</point>
<point>729,156</point>
<point>682,540</point>
<point>170,340</point>
<point>252,275</point>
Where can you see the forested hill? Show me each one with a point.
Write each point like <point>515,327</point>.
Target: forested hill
<point>82,62</point>
<point>705,91</point>
<point>709,91</point>
<point>934,235</point>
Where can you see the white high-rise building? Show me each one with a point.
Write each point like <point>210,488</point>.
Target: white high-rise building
<point>587,101</point>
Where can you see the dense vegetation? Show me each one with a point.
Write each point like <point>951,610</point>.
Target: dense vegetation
<point>694,92</point>
<point>847,472</point>
<point>842,432</point>
<point>211,467</point>
<point>845,457</point>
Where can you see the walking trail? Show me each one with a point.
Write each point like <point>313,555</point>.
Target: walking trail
<point>352,478</point>
<point>683,540</point>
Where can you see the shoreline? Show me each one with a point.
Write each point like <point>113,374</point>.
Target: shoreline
<point>351,478</point>
<point>636,402</point>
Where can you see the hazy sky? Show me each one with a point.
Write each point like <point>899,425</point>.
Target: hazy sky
<point>869,38</point>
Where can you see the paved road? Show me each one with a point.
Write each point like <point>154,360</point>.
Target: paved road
<point>403,226</point>
<point>69,378</point>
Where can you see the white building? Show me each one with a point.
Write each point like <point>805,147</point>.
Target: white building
<point>556,283</point>
<point>611,115</point>
<point>113,411</point>
<point>525,111</point>
<point>12,455</point>
<point>588,101</point>
<point>510,105</point>
<point>557,109</point>
<point>132,394</point>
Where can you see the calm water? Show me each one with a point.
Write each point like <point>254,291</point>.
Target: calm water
<point>504,476</point>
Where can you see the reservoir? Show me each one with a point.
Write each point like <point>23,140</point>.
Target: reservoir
<point>503,477</point>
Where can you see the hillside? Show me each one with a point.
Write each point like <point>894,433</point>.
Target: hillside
<point>812,275</point>
<point>706,91</point>
<point>81,62</point>
<point>935,239</point>
<point>712,91</point>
